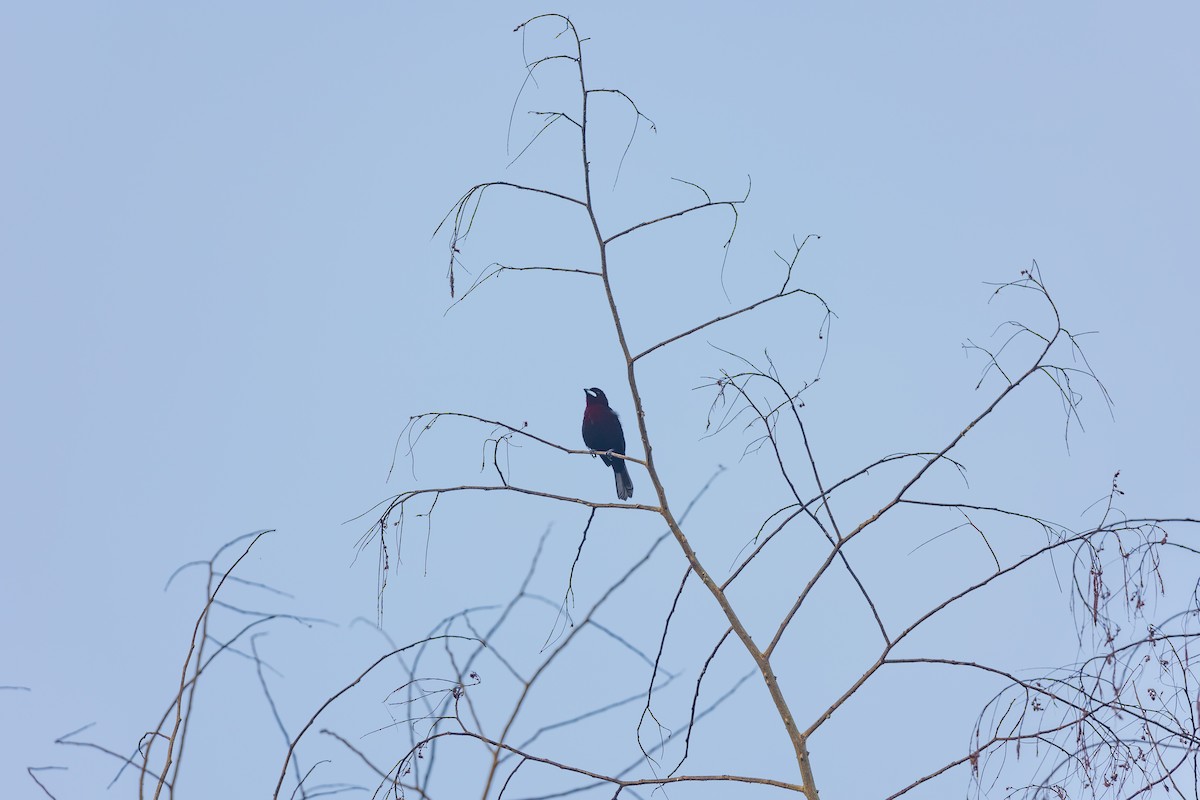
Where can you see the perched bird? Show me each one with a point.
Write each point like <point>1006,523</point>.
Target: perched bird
<point>602,432</point>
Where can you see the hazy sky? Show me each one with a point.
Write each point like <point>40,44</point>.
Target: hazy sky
<point>221,303</point>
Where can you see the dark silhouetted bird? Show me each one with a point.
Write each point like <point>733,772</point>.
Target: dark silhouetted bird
<point>602,432</point>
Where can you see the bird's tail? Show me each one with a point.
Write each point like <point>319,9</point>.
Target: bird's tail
<point>624,482</point>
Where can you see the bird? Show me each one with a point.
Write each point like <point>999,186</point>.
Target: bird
<point>602,433</point>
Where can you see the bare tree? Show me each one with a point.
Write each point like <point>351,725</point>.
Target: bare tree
<point>1120,722</point>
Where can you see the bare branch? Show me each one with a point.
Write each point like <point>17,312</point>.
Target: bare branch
<point>732,204</point>
<point>183,680</point>
<point>328,702</point>
<point>42,786</point>
<point>615,781</point>
<point>494,270</point>
<point>730,315</point>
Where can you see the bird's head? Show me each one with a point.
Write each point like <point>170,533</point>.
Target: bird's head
<point>595,397</point>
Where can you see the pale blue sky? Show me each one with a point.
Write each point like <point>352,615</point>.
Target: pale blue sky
<point>221,303</point>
